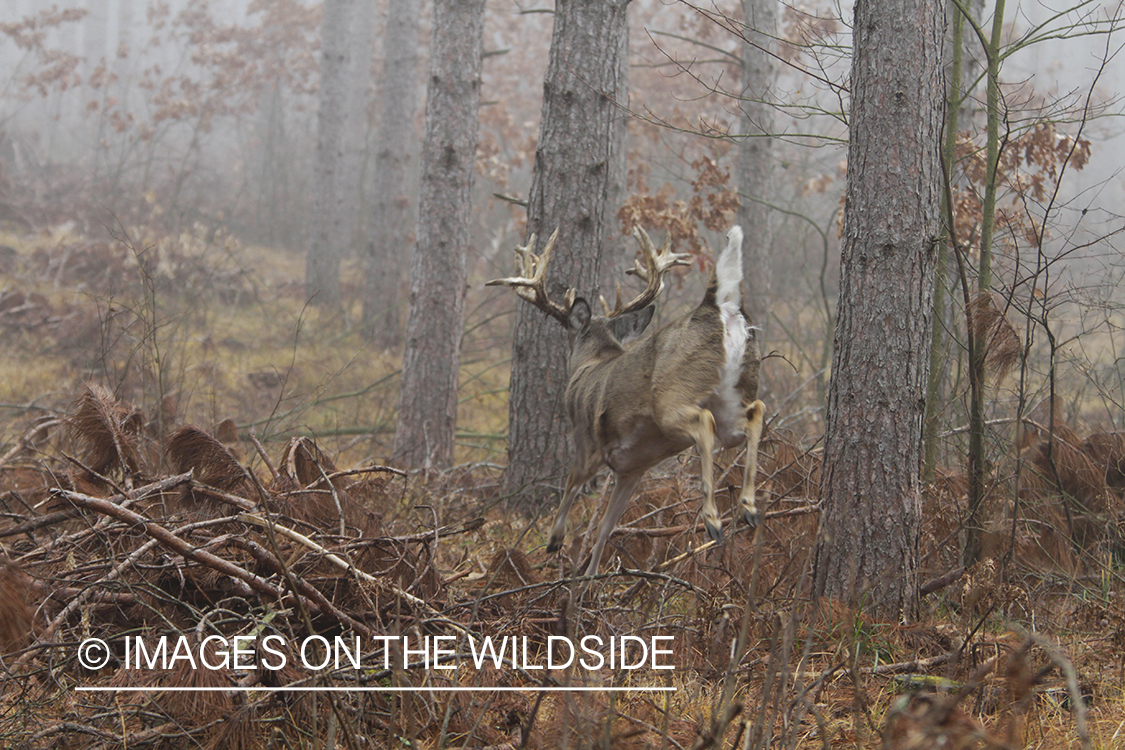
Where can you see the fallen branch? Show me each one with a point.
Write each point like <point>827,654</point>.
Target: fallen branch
<point>937,584</point>
<point>917,665</point>
<point>444,531</point>
<point>173,542</point>
<point>81,599</point>
<point>308,591</point>
<point>348,566</point>
<point>140,493</point>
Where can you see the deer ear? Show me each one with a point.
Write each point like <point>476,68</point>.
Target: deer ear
<point>630,325</point>
<point>579,315</point>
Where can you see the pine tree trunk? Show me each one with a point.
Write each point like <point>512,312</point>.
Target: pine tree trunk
<point>326,243</point>
<point>867,553</point>
<point>392,216</point>
<point>428,406</point>
<point>949,154</point>
<point>568,192</point>
<point>755,155</point>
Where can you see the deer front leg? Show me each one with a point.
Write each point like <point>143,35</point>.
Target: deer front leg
<point>755,416</point>
<point>623,486</point>
<point>577,477</point>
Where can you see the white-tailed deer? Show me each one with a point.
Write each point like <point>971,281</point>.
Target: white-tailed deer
<point>635,400</point>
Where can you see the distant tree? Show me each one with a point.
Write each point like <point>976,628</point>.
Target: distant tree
<point>95,33</point>
<point>867,553</point>
<point>328,236</point>
<point>391,213</point>
<point>428,406</point>
<point>125,35</point>
<point>569,190</point>
<point>755,153</point>
<point>361,44</point>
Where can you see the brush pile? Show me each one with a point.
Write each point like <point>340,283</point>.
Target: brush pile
<point>155,591</point>
<point>107,534</point>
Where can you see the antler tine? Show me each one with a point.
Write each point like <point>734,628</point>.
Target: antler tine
<point>609,311</point>
<point>652,271</point>
<point>531,282</point>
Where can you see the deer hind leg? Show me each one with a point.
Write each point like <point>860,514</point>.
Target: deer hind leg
<point>623,486</point>
<point>755,416</point>
<point>697,425</point>
<point>705,443</point>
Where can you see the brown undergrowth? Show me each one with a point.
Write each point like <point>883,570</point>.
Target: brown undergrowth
<point>112,531</point>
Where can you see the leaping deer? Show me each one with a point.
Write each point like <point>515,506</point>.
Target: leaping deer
<point>635,400</point>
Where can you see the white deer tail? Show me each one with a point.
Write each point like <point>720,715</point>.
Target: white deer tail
<point>728,269</point>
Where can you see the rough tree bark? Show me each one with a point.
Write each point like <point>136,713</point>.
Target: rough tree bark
<point>392,206</point>
<point>569,192</point>
<point>428,406</point>
<point>755,154</point>
<point>867,551</point>
<point>327,240</point>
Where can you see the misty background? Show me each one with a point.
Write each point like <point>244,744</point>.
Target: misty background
<point>199,119</point>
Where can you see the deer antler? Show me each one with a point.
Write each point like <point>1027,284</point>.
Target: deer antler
<point>655,266</point>
<point>530,281</point>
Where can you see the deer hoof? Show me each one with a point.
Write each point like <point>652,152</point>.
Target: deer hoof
<point>715,531</point>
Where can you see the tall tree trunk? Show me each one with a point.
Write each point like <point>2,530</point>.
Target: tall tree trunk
<point>95,30</point>
<point>95,33</point>
<point>269,167</point>
<point>428,407</point>
<point>755,154</point>
<point>391,214</point>
<point>867,550</point>
<point>569,188</point>
<point>326,243</point>
<point>129,40</point>
<point>125,30</point>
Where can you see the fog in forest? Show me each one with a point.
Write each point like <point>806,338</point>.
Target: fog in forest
<point>200,118</point>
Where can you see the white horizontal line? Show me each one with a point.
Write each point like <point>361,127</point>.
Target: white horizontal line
<point>365,689</point>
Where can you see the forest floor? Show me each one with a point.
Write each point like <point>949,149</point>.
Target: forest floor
<point>189,450</point>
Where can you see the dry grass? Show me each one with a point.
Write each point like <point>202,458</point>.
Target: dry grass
<point>200,329</point>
